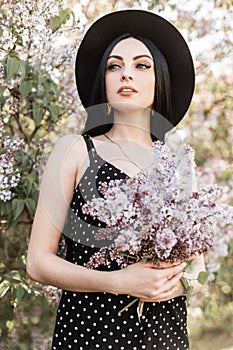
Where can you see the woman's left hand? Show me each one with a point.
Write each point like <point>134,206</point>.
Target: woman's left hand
<point>174,292</point>
<point>178,289</point>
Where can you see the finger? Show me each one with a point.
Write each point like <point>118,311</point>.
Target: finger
<point>150,264</point>
<point>169,294</point>
<point>178,275</point>
<point>164,264</point>
<point>166,289</point>
<point>170,283</point>
<point>166,286</point>
<point>172,271</point>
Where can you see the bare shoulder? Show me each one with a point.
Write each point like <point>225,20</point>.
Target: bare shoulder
<point>66,158</point>
<point>69,143</point>
<point>69,148</point>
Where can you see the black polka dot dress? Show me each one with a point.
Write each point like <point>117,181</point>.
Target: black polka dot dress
<point>88,321</point>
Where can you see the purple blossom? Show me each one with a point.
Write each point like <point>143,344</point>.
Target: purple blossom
<point>157,215</point>
<point>165,240</point>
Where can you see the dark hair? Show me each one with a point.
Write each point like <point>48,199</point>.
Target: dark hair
<point>98,122</point>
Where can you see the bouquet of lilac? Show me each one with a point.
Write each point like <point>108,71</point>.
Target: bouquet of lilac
<point>158,215</point>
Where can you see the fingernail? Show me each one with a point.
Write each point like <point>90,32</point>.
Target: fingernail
<point>184,264</point>
<point>181,274</point>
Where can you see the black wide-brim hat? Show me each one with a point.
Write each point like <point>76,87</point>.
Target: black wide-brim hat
<point>148,25</point>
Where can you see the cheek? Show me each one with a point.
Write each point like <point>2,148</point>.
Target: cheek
<point>149,86</point>
<point>109,85</point>
<point>151,81</point>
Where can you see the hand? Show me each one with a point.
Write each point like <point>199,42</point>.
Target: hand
<point>149,283</point>
<point>174,292</point>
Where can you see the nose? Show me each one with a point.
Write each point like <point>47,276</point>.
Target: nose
<point>126,75</point>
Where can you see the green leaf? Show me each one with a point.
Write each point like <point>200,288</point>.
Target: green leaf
<point>42,78</point>
<point>15,275</point>
<point>187,287</point>
<point>28,183</point>
<point>31,205</point>
<point>37,67</point>
<point>190,267</point>
<point>20,293</point>
<point>189,292</point>
<point>37,113</point>
<point>4,14</point>
<point>25,88</point>
<point>202,277</point>
<point>50,86</point>
<point>12,66</point>
<point>23,68</point>
<point>35,195</point>
<point>17,208</point>
<point>57,21</point>
<point>2,89</point>
<point>54,111</point>
<point>5,208</point>
<point>186,283</point>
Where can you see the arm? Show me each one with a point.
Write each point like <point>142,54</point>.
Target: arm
<point>59,180</point>
<point>43,265</point>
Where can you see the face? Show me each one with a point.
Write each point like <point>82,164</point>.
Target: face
<point>130,76</point>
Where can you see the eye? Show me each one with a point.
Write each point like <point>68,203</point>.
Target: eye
<point>113,66</point>
<point>143,66</point>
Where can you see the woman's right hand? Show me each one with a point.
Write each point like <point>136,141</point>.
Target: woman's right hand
<point>148,282</point>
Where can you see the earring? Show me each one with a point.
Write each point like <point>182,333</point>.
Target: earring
<point>109,109</point>
<point>153,112</point>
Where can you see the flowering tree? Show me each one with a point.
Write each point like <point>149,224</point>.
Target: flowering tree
<point>35,97</point>
<point>208,127</point>
<point>31,103</point>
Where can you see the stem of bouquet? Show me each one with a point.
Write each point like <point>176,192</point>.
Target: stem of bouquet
<point>139,308</point>
<point>127,306</point>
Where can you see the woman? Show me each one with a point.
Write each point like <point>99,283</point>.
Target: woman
<point>133,93</point>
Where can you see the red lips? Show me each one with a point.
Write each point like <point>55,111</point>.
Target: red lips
<point>126,90</point>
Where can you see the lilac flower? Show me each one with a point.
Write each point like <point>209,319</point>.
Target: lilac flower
<point>164,242</point>
<point>185,170</point>
<point>157,215</point>
<point>9,173</point>
<point>127,241</point>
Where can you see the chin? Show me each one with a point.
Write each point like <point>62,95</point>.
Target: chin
<point>128,106</point>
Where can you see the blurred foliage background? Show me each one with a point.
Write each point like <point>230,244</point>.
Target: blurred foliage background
<point>39,103</point>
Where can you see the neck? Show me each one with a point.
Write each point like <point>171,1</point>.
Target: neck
<point>132,125</point>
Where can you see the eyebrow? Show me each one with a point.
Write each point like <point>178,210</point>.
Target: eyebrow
<point>134,58</point>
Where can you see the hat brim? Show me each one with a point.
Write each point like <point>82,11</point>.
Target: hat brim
<point>148,25</point>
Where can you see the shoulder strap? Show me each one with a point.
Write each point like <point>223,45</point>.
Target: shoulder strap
<point>90,146</point>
